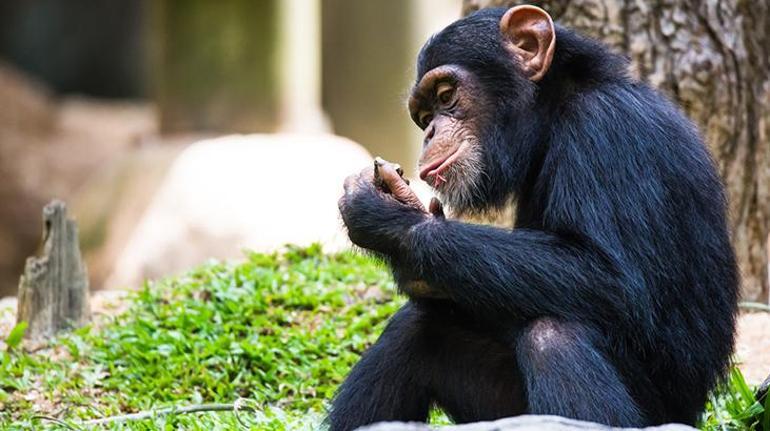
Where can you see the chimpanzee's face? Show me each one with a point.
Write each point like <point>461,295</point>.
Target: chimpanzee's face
<point>448,104</point>
<point>473,97</point>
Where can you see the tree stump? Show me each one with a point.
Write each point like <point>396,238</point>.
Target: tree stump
<point>53,291</point>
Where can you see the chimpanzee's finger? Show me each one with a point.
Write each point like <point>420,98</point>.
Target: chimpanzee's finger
<point>355,181</point>
<point>350,183</point>
<point>398,187</point>
<point>436,207</point>
<point>366,175</point>
<point>379,161</point>
<point>390,175</point>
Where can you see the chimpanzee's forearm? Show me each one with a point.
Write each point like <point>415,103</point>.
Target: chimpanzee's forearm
<point>518,274</point>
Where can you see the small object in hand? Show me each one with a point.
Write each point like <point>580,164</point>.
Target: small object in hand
<point>378,181</point>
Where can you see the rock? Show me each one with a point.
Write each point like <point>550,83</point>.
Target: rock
<point>752,348</point>
<point>256,192</point>
<point>519,423</point>
<point>106,223</point>
<point>763,389</point>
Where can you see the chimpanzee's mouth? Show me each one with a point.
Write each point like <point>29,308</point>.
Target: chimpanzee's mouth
<point>432,172</point>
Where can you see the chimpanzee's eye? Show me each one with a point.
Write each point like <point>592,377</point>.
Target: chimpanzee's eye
<point>425,119</point>
<point>445,93</point>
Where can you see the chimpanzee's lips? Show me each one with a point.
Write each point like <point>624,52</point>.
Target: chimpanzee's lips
<point>435,168</point>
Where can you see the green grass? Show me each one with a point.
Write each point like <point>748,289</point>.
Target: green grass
<point>279,330</point>
<point>733,406</point>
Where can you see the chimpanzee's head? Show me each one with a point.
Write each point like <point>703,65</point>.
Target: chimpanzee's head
<point>474,95</point>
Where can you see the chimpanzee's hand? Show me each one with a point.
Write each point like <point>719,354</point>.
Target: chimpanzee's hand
<point>389,178</point>
<point>375,219</point>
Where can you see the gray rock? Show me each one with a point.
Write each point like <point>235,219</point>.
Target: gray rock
<point>519,423</point>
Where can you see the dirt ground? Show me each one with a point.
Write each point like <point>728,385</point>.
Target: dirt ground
<point>752,347</point>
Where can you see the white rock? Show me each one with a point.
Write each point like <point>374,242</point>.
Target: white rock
<point>255,192</point>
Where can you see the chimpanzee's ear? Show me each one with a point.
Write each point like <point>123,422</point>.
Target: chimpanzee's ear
<point>528,33</point>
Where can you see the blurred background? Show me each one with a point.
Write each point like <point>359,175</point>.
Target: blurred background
<point>102,103</point>
<point>127,109</point>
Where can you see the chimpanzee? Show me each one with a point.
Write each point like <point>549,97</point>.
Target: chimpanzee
<point>612,300</point>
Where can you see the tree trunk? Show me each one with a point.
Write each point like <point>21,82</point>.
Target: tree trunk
<point>215,65</point>
<point>713,58</point>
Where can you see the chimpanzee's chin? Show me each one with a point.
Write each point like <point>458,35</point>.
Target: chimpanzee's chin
<point>463,202</point>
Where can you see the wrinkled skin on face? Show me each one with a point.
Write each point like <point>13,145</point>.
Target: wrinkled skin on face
<point>473,99</point>
<point>450,106</point>
<point>452,109</point>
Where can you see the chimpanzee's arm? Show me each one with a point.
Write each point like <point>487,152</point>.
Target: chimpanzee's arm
<point>521,273</point>
<point>493,272</point>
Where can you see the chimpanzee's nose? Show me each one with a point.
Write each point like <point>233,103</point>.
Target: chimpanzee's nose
<point>429,132</point>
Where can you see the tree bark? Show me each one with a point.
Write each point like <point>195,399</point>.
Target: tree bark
<point>713,58</point>
<point>53,292</point>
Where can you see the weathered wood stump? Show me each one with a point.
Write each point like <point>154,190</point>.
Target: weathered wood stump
<point>53,291</point>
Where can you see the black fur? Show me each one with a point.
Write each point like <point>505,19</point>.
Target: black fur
<point>613,299</point>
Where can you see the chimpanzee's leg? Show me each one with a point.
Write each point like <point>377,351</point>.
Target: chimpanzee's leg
<point>475,375</point>
<point>388,382</point>
<point>566,374</point>
<point>429,354</point>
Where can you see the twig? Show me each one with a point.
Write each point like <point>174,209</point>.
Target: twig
<point>754,306</point>
<point>238,406</point>
<point>57,422</point>
<point>162,412</point>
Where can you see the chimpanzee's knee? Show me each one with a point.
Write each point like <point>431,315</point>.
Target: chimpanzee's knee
<point>547,336</point>
<point>554,355</point>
